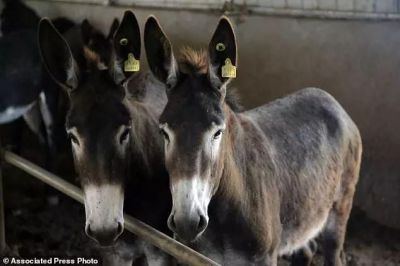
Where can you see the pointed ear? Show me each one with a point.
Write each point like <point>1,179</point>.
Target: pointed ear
<point>113,29</point>
<point>159,52</point>
<point>222,52</point>
<point>87,31</point>
<point>56,56</point>
<point>126,44</point>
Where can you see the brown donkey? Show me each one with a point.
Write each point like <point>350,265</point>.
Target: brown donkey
<point>250,186</point>
<point>114,134</point>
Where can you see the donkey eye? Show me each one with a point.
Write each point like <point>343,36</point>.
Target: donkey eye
<point>165,134</point>
<point>73,138</point>
<point>217,134</point>
<point>124,135</point>
<point>169,87</point>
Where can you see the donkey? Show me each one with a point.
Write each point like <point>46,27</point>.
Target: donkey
<point>16,16</point>
<point>114,135</point>
<point>25,87</point>
<point>250,186</point>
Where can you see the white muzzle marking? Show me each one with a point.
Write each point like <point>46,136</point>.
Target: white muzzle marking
<point>104,205</point>
<point>191,196</point>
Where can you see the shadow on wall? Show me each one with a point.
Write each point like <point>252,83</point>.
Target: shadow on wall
<point>356,61</point>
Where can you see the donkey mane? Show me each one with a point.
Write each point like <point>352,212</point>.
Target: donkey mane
<point>196,62</point>
<point>93,60</point>
<point>193,61</point>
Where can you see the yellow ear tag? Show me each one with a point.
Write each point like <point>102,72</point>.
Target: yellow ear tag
<point>228,70</point>
<point>131,64</point>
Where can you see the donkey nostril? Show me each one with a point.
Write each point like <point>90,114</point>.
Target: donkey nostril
<point>120,229</point>
<point>202,223</point>
<point>171,223</point>
<point>88,231</point>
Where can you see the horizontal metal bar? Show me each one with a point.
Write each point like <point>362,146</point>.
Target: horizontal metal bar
<point>44,175</point>
<point>250,9</point>
<point>181,252</point>
<point>324,14</point>
<point>95,2</point>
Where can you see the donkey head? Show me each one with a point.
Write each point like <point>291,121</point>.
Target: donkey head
<point>193,120</point>
<point>98,121</point>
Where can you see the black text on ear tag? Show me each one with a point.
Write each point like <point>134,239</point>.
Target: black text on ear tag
<point>228,70</point>
<point>131,64</point>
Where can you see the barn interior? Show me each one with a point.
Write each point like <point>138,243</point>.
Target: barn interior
<point>348,48</point>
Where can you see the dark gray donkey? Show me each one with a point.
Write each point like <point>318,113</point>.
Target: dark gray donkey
<point>25,88</point>
<point>250,186</point>
<point>114,135</point>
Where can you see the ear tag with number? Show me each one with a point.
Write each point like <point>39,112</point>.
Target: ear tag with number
<point>131,64</point>
<point>228,70</point>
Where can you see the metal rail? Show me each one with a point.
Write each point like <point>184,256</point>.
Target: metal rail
<point>257,9</point>
<point>181,252</point>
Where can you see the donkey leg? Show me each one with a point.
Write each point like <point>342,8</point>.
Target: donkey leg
<point>305,255</point>
<point>270,259</point>
<point>335,230</point>
<point>34,121</point>
<point>155,256</point>
<point>122,254</point>
<point>333,239</point>
<point>115,259</point>
<point>47,121</point>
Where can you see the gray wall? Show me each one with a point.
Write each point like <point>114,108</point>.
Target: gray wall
<point>358,62</point>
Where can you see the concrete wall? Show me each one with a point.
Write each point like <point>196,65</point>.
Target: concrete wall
<point>358,62</point>
<point>355,6</point>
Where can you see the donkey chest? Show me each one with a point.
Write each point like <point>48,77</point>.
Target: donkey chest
<point>233,249</point>
<point>230,239</point>
<point>150,201</point>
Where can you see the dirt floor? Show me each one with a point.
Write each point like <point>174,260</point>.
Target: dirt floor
<point>43,222</point>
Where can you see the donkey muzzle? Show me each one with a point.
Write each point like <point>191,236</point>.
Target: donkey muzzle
<point>188,228</point>
<point>104,206</point>
<point>104,236</point>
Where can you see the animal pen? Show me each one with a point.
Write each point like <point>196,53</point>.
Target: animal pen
<point>158,239</point>
<point>348,48</point>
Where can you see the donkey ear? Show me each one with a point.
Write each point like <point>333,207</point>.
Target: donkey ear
<point>222,51</point>
<point>127,46</point>
<point>87,31</point>
<point>56,56</point>
<point>113,28</point>
<point>159,51</point>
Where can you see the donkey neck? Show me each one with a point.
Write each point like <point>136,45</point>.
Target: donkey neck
<point>146,143</point>
<point>246,160</point>
<point>148,194</point>
<point>246,171</point>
